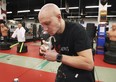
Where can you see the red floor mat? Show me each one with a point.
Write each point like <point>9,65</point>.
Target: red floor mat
<point>99,62</point>
<point>9,72</point>
<point>33,51</point>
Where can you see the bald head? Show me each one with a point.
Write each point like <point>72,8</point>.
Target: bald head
<point>49,9</point>
<point>50,19</point>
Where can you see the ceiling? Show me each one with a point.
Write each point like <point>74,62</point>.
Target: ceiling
<point>16,5</point>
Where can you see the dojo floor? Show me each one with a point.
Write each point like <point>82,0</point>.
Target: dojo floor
<point>30,67</point>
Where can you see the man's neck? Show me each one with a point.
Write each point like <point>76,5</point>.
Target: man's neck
<point>62,26</point>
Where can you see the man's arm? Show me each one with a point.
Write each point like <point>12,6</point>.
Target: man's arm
<point>83,61</point>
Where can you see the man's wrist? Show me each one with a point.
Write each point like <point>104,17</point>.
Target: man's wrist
<point>59,57</point>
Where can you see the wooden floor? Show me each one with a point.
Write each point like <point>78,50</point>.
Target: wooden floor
<point>30,67</point>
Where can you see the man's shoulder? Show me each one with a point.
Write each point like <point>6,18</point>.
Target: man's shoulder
<point>74,25</point>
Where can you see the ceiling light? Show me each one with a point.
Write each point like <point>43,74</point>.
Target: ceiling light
<point>73,7</point>
<point>9,12</point>
<point>73,16</point>
<point>97,16</point>
<point>96,6</point>
<point>18,18</point>
<point>60,8</point>
<point>31,18</point>
<point>90,16</point>
<point>69,8</point>
<point>111,16</point>
<point>23,11</point>
<point>36,10</point>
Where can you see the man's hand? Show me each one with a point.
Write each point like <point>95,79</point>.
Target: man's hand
<point>48,54</point>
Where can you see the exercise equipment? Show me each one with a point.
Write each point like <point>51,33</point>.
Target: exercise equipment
<point>5,46</point>
<point>110,55</point>
<point>40,29</point>
<point>14,45</point>
<point>91,31</point>
<point>34,32</point>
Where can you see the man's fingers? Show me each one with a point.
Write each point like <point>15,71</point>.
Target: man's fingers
<point>41,52</point>
<point>43,48</point>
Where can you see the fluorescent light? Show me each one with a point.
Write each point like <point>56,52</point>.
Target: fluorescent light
<point>73,16</point>
<point>111,16</point>
<point>31,18</point>
<point>91,16</point>
<point>73,7</point>
<point>23,11</point>
<point>96,6</point>
<point>69,8</point>
<point>76,7</point>
<point>36,10</point>
<point>97,16</point>
<point>60,8</point>
<point>18,18</point>
<point>9,12</point>
<point>91,6</point>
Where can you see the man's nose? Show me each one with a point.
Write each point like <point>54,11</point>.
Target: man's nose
<point>45,28</point>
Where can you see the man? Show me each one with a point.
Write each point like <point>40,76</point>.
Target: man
<point>4,31</point>
<point>20,34</point>
<point>72,46</point>
<point>112,33</point>
<point>111,37</point>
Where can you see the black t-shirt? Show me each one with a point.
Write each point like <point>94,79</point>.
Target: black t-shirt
<point>74,39</point>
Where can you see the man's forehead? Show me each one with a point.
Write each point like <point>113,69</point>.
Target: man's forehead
<point>44,15</point>
<point>44,19</point>
<point>45,22</point>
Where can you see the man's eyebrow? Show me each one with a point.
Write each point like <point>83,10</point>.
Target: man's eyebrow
<point>47,22</point>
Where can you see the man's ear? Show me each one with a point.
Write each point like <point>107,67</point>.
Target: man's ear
<point>59,16</point>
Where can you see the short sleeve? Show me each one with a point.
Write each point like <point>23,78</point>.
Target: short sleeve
<point>81,41</point>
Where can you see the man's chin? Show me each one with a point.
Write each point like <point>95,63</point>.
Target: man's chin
<point>51,34</point>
